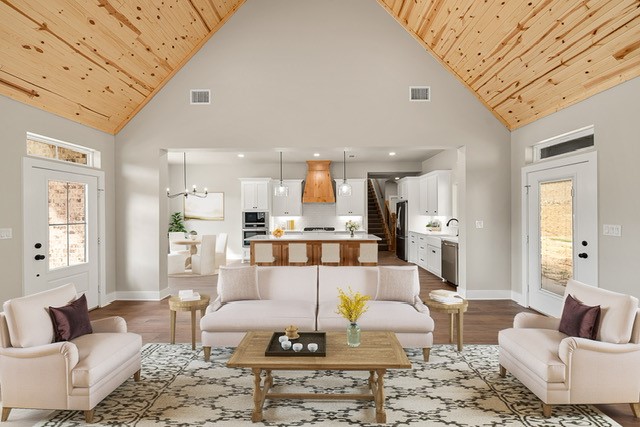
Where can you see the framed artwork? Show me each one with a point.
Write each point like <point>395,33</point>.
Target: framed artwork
<point>211,208</point>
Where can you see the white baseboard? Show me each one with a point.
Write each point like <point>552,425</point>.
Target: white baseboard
<point>488,294</point>
<point>109,298</point>
<point>518,298</point>
<point>142,295</point>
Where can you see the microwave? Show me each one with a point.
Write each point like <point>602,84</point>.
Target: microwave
<point>255,220</point>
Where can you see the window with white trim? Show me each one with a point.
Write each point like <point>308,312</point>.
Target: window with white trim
<point>570,142</point>
<point>49,148</point>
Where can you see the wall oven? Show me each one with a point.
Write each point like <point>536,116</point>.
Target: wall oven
<point>255,220</point>
<point>246,234</point>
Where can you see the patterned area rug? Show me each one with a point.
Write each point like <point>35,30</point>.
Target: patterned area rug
<point>454,389</point>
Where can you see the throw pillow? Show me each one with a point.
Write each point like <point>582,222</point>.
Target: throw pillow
<point>397,284</point>
<point>235,284</point>
<point>579,320</point>
<point>71,321</point>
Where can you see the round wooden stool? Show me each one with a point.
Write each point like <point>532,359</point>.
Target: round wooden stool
<point>176,304</point>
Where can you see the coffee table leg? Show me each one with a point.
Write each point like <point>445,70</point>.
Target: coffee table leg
<point>371,381</point>
<point>173,326</point>
<point>258,399</point>
<point>381,415</point>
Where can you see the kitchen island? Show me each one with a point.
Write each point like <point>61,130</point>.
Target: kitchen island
<point>349,246</point>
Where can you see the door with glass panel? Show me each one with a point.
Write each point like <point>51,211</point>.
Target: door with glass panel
<point>562,229</point>
<point>61,231</point>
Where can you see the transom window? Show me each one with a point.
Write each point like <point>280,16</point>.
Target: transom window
<point>42,146</point>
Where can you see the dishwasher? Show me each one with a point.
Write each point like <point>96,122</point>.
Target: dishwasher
<point>450,262</point>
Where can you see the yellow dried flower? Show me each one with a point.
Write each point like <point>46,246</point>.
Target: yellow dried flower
<point>278,232</point>
<point>352,305</point>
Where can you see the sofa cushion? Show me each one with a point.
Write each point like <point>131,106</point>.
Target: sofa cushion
<point>398,284</point>
<point>359,279</point>
<point>28,319</point>
<point>236,284</point>
<point>617,311</point>
<point>100,354</point>
<point>261,315</point>
<point>537,349</point>
<point>71,321</point>
<point>289,283</point>
<point>579,320</point>
<point>406,319</point>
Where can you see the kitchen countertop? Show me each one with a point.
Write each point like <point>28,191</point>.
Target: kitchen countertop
<point>310,235</point>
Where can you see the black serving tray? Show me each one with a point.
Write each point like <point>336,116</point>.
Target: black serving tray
<point>320,338</point>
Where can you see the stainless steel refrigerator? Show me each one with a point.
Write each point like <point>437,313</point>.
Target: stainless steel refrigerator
<point>402,231</point>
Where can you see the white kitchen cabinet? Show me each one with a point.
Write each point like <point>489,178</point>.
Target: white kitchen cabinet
<point>434,260</point>
<point>435,194</point>
<point>403,190</point>
<point>355,204</point>
<point>413,248</point>
<point>422,251</point>
<point>290,205</point>
<point>254,194</point>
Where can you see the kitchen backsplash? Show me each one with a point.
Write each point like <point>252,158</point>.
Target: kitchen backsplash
<point>318,215</point>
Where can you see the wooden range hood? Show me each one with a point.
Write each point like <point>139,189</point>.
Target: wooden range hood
<point>318,187</point>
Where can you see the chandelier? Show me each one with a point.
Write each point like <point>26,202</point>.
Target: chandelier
<point>186,192</point>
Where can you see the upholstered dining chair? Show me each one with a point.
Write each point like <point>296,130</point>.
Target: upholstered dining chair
<point>330,254</point>
<point>263,254</point>
<point>563,369</point>
<point>221,251</point>
<point>368,254</point>
<point>177,249</point>
<point>36,372</point>
<point>204,262</point>
<point>298,253</point>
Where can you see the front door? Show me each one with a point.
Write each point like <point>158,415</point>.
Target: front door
<point>61,231</point>
<point>562,228</point>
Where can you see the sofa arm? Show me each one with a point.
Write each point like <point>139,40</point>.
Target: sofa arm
<point>535,321</point>
<point>421,307</point>
<point>570,345</point>
<point>43,370</point>
<point>214,306</point>
<point>109,324</point>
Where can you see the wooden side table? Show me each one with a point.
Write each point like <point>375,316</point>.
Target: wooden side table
<point>455,310</point>
<point>176,304</point>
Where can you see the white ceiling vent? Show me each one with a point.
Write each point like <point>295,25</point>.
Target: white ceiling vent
<point>420,93</point>
<point>200,96</point>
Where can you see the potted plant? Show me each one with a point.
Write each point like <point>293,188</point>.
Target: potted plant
<point>193,234</point>
<point>176,223</point>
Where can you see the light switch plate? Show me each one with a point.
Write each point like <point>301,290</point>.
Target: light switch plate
<point>611,230</point>
<point>479,224</point>
<point>6,233</point>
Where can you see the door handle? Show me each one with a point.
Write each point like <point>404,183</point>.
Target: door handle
<point>583,255</point>
<point>39,257</point>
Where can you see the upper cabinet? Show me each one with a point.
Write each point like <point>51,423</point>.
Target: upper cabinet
<point>355,204</point>
<point>435,193</point>
<point>290,205</point>
<point>403,189</point>
<point>254,194</point>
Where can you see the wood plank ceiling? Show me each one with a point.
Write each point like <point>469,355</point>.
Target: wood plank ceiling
<point>99,62</point>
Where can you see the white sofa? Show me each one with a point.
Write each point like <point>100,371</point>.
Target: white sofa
<point>36,372</point>
<point>561,369</point>
<point>308,297</point>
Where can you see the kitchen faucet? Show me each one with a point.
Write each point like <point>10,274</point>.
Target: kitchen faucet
<point>454,219</point>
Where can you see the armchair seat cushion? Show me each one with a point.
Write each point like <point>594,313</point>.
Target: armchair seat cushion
<point>100,354</point>
<point>248,315</point>
<point>405,317</point>
<point>537,349</point>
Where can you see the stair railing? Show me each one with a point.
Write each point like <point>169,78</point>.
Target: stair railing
<point>391,224</point>
<point>385,227</point>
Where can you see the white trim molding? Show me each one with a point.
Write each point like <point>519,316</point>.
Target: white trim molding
<point>488,294</point>
<point>142,295</point>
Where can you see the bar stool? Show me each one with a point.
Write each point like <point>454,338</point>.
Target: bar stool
<point>263,253</point>
<point>298,254</point>
<point>330,254</point>
<point>368,254</point>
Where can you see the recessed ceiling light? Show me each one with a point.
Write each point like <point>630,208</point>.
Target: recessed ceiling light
<point>316,154</point>
<point>393,153</point>
<point>240,155</point>
<point>397,178</point>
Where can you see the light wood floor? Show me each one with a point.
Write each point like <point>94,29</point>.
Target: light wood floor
<point>482,321</point>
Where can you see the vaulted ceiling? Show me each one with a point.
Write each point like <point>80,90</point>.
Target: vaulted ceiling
<point>99,62</point>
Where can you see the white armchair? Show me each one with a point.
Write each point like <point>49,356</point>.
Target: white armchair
<point>560,369</point>
<point>36,372</point>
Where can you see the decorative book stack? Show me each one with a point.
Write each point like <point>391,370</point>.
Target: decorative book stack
<point>188,295</point>
<point>445,297</point>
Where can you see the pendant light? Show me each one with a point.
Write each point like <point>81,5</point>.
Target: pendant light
<point>186,193</point>
<point>281,190</point>
<point>344,189</point>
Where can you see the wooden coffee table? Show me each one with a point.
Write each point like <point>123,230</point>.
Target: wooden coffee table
<point>378,352</point>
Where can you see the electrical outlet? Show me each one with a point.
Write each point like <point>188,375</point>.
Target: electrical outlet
<point>6,233</point>
<point>611,230</point>
<point>479,224</point>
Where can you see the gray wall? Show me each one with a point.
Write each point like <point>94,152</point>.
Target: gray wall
<point>286,73</point>
<point>614,114</point>
<point>16,119</point>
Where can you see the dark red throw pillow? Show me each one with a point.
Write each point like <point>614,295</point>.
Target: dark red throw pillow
<point>579,320</point>
<point>71,321</point>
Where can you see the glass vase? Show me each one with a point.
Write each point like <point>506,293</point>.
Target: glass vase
<point>351,232</point>
<point>353,335</point>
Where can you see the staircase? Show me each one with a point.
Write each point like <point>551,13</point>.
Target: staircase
<point>374,218</point>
